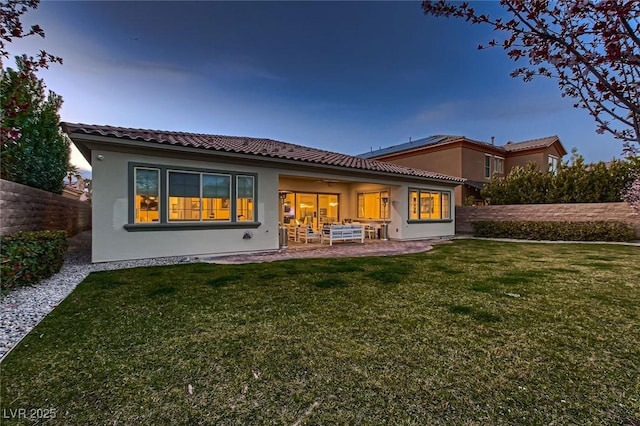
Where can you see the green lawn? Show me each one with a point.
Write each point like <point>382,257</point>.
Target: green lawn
<point>474,332</point>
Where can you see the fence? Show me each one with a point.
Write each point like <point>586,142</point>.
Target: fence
<point>579,212</point>
<point>23,208</point>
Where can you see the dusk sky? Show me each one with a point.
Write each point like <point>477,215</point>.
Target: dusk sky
<point>345,77</point>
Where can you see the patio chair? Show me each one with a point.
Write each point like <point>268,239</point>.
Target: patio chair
<point>370,231</point>
<point>306,234</point>
<point>292,231</point>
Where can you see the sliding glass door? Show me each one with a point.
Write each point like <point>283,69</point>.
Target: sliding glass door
<point>311,209</point>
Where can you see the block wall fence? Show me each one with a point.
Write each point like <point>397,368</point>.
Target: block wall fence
<point>23,208</point>
<point>579,212</point>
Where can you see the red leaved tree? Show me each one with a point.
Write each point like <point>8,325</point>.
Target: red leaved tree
<point>11,28</point>
<point>591,47</point>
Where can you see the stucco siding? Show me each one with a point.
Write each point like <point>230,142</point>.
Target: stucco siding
<point>515,159</point>
<point>111,185</point>
<point>400,228</point>
<point>111,241</point>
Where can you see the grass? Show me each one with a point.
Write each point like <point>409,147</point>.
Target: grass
<point>474,332</point>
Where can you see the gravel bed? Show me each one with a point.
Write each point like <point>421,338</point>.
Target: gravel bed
<point>22,309</point>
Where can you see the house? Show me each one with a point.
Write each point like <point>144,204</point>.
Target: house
<point>160,193</point>
<point>473,160</point>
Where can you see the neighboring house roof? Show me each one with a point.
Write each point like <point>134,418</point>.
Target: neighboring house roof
<point>532,144</point>
<point>420,143</point>
<point>254,147</point>
<point>446,139</point>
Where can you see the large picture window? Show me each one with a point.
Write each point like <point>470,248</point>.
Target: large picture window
<point>165,195</point>
<point>372,205</point>
<point>199,196</point>
<point>429,205</point>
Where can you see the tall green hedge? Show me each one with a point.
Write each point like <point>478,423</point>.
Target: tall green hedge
<point>28,257</point>
<point>555,231</point>
<point>39,154</point>
<point>570,183</point>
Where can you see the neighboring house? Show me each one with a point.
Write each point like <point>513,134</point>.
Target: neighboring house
<point>475,161</point>
<point>78,190</point>
<point>158,193</point>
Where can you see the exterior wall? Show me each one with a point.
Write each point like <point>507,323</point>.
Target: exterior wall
<point>467,160</point>
<point>111,241</point>
<point>579,212</point>
<point>521,159</point>
<point>399,226</point>
<point>473,164</point>
<point>457,159</point>
<point>446,159</point>
<point>110,201</point>
<point>30,209</point>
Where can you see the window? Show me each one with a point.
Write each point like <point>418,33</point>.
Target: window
<point>146,197</point>
<point>487,166</point>
<point>429,205</point>
<point>216,194</point>
<point>553,163</point>
<point>311,208</point>
<point>244,198</point>
<point>372,205</point>
<point>498,165</point>
<point>171,195</point>
<point>199,196</point>
<point>184,196</point>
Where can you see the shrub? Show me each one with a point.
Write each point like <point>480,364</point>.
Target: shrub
<point>38,154</point>
<point>28,257</point>
<point>571,183</point>
<point>554,231</point>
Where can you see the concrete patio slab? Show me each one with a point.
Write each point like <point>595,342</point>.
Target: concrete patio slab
<point>338,250</point>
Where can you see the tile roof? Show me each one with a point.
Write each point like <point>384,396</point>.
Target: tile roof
<point>475,184</point>
<point>530,144</point>
<point>251,146</point>
<point>420,143</point>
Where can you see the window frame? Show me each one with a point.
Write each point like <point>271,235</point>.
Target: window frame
<point>553,162</point>
<point>420,191</point>
<point>234,209</point>
<point>384,211</point>
<point>495,164</point>
<point>163,208</point>
<point>168,196</point>
<point>487,166</point>
<point>135,193</point>
<point>202,198</point>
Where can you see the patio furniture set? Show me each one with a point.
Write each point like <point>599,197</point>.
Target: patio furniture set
<point>332,233</point>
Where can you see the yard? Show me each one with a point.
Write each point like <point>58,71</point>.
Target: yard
<point>474,332</point>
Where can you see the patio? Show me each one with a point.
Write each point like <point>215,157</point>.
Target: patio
<point>300,250</point>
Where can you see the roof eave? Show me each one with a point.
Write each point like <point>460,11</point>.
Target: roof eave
<point>84,140</point>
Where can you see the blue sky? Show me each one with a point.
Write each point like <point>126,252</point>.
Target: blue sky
<point>341,76</point>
